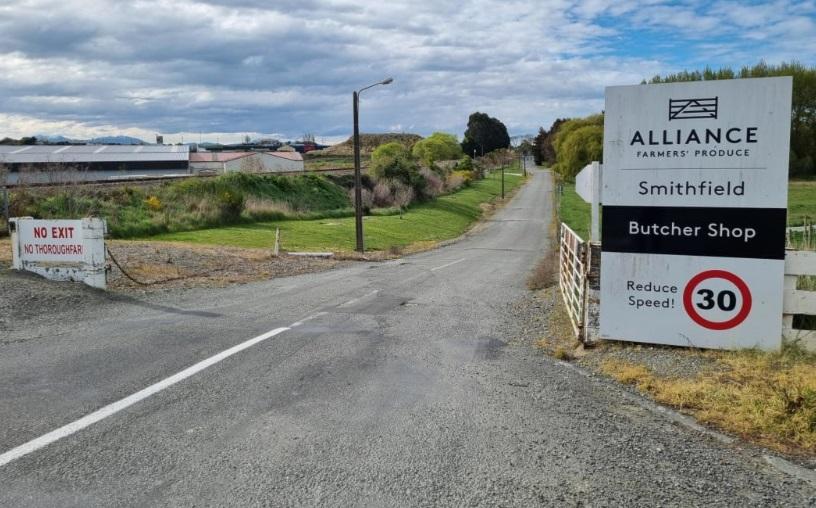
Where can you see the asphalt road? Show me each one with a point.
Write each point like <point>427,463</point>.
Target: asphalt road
<point>386,384</point>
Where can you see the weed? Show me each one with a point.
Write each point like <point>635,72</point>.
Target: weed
<point>545,273</point>
<point>562,354</point>
<point>769,397</point>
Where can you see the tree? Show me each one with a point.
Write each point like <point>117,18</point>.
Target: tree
<point>394,161</point>
<point>576,143</point>
<point>543,150</point>
<point>439,146</point>
<point>803,111</point>
<point>484,134</point>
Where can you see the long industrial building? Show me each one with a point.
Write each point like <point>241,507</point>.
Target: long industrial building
<point>247,162</point>
<point>54,164</point>
<point>31,164</point>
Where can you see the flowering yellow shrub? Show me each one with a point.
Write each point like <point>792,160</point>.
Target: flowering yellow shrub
<point>153,203</point>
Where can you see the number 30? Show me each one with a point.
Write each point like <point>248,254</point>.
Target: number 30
<point>726,300</point>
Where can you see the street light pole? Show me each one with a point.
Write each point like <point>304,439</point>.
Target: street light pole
<point>358,183</point>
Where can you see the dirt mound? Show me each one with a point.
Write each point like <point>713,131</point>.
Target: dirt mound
<point>368,142</point>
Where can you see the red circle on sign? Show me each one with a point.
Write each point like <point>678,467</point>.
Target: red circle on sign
<point>717,274</point>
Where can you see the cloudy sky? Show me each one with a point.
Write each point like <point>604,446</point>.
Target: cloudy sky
<point>218,69</point>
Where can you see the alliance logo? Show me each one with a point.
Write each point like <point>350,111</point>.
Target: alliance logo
<point>681,109</point>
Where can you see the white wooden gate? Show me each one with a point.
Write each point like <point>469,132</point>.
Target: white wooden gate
<point>572,276</point>
<point>799,263</point>
<point>799,299</point>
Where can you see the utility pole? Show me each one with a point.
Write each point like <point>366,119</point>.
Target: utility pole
<point>6,206</point>
<point>358,182</point>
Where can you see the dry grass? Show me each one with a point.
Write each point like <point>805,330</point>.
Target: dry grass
<point>561,341</point>
<point>5,252</point>
<point>545,274</point>
<point>769,398</point>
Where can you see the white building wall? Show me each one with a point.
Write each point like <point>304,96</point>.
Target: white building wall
<point>197,167</point>
<point>273,163</point>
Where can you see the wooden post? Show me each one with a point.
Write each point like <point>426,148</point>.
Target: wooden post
<point>6,206</point>
<point>277,242</point>
<point>595,235</point>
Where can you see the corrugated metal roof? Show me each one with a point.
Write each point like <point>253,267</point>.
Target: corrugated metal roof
<point>75,154</point>
<point>292,156</point>
<point>218,156</point>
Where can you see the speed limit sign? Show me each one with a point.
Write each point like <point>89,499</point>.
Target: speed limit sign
<point>717,300</point>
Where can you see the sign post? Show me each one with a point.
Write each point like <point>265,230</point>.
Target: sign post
<point>695,200</point>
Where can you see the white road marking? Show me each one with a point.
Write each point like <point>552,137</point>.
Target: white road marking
<point>355,300</point>
<point>447,265</point>
<point>313,316</point>
<point>111,409</point>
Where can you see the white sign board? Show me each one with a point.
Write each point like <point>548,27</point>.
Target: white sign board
<point>60,249</point>
<point>586,182</point>
<point>52,240</point>
<point>695,196</point>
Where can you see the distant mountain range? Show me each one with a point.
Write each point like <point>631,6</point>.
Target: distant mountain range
<point>104,140</point>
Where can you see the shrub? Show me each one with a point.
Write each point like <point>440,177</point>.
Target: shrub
<point>434,186</point>
<point>454,181</point>
<point>382,194</point>
<point>366,197</point>
<point>230,205</point>
<point>465,164</point>
<point>403,195</point>
<point>153,203</point>
<point>439,146</point>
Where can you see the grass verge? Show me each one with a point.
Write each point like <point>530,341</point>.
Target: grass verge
<point>444,218</point>
<point>801,202</point>
<point>573,210</point>
<point>768,398</point>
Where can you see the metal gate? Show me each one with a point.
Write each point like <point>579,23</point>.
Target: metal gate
<point>572,276</point>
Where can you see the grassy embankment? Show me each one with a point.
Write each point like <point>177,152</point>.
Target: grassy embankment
<point>322,162</point>
<point>193,203</point>
<point>769,398</point>
<point>443,218</point>
<point>573,210</point>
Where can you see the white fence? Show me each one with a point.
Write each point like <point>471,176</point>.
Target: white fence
<point>799,263</point>
<point>572,276</point>
<point>575,274</point>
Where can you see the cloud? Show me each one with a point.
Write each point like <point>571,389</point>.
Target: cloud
<point>236,66</point>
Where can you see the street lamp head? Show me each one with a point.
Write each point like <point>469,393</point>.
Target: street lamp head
<point>387,81</point>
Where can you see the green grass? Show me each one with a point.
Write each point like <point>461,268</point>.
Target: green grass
<point>314,162</point>
<point>444,218</point>
<point>801,204</point>
<point>574,211</point>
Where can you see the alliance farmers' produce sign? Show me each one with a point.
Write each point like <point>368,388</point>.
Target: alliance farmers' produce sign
<point>695,195</point>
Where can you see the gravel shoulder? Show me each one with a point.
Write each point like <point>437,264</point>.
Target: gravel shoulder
<point>552,334</point>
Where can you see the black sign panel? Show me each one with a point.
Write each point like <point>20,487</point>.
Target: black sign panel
<point>757,233</point>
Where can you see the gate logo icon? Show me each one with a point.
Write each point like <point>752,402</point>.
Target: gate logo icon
<point>682,109</point>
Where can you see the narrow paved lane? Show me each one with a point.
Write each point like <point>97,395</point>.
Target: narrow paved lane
<point>394,384</point>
